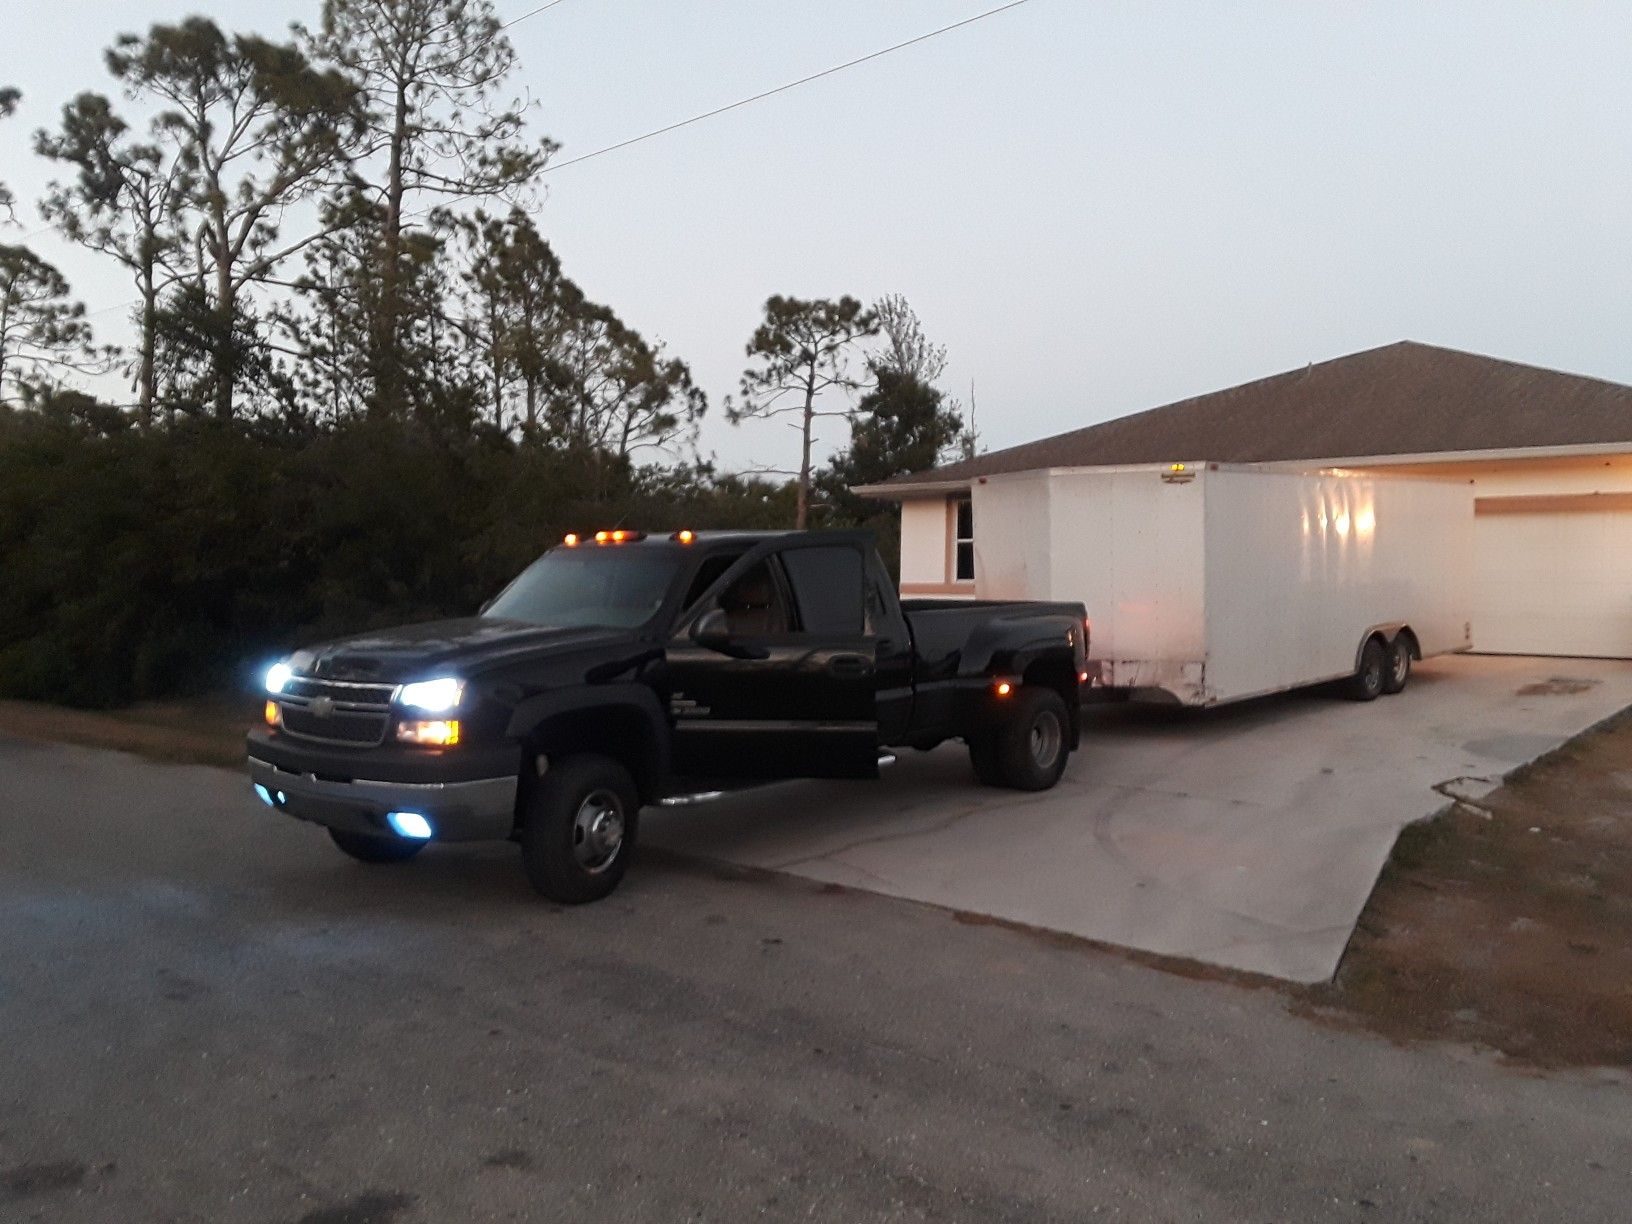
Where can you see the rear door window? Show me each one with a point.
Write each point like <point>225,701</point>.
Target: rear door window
<point>827,587</point>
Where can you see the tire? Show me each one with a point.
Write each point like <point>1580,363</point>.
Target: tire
<point>1397,664</point>
<point>983,756</point>
<point>1033,744</point>
<point>1367,682</point>
<point>578,829</point>
<point>366,848</point>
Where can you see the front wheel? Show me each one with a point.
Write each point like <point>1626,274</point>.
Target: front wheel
<point>366,848</point>
<point>1367,683</point>
<point>579,829</point>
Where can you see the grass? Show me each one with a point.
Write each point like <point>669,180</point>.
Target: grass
<point>1508,927</point>
<point>202,731</point>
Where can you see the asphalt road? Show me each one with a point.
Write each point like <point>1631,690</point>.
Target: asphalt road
<point>206,1014</point>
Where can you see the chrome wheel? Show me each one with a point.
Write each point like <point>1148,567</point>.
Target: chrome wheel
<point>1046,737</point>
<point>597,831</point>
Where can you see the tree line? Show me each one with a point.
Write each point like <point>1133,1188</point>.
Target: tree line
<point>340,284</point>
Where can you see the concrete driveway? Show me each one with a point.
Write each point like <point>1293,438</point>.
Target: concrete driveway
<point>1247,837</point>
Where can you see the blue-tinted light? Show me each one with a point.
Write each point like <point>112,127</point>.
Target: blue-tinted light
<point>278,675</point>
<point>265,795</point>
<point>409,824</point>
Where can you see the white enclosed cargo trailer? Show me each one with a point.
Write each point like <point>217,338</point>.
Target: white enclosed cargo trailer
<point>1207,583</point>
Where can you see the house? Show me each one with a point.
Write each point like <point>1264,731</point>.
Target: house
<point>1549,455</point>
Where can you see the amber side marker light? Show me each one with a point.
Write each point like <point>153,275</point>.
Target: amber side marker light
<point>570,539</point>
<point>1004,688</point>
<point>685,537</point>
<point>271,713</point>
<point>431,733</point>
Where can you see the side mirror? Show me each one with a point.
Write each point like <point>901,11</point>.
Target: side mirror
<point>712,631</point>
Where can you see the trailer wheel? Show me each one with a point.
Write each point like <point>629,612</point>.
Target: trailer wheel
<point>1033,743</point>
<point>1367,683</point>
<point>1397,672</point>
<point>368,849</point>
<point>578,829</point>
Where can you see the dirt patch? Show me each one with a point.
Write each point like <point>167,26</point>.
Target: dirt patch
<point>1507,924</point>
<point>1558,686</point>
<point>203,731</point>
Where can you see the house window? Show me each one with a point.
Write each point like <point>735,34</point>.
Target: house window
<point>963,540</point>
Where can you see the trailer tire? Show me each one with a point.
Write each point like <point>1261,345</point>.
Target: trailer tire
<point>1397,665</point>
<point>578,828</point>
<point>1367,682</point>
<point>366,848</point>
<point>1034,743</point>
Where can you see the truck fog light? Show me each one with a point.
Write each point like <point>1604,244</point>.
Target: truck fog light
<point>410,825</point>
<point>265,795</point>
<point>434,733</point>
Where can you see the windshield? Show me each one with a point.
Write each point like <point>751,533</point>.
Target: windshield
<point>617,588</point>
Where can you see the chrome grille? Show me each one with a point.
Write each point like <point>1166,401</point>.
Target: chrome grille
<point>336,711</point>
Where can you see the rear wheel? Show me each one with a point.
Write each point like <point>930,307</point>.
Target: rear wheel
<point>1367,683</point>
<point>579,829</point>
<point>983,756</point>
<point>1397,672</point>
<point>1029,750</point>
<point>366,848</point>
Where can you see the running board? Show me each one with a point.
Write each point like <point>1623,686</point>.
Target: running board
<point>673,801</point>
<point>885,760</point>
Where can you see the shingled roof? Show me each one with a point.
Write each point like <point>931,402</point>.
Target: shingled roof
<point>1401,399</point>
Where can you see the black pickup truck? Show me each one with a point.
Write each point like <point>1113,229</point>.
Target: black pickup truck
<point>622,670</point>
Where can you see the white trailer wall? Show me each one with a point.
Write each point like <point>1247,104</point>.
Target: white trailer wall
<point>1230,582</point>
<point>1300,566</point>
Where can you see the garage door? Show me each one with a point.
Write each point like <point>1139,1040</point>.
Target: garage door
<point>1553,575</point>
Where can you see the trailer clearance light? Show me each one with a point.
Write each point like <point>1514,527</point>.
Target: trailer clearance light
<point>278,675</point>
<point>271,713</point>
<point>1003,688</point>
<point>429,733</point>
<point>685,537</point>
<point>410,825</point>
<point>570,539</point>
<point>432,696</point>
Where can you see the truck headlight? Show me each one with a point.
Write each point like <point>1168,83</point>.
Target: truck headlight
<point>433,696</point>
<point>278,675</point>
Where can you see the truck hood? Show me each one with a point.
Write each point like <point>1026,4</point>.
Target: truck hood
<point>464,646</point>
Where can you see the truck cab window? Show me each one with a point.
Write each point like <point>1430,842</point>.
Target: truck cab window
<point>827,586</point>
<point>754,605</point>
<point>708,573</point>
<point>963,542</point>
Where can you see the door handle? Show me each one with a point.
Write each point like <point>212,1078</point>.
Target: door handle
<point>850,665</point>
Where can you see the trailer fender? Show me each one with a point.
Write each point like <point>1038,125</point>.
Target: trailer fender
<point>1388,631</point>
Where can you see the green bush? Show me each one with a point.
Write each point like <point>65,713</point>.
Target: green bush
<point>138,565</point>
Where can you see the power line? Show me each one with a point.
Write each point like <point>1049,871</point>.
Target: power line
<point>530,13</point>
<point>815,76</point>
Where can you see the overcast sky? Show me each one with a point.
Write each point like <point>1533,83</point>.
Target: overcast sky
<point>1098,207</point>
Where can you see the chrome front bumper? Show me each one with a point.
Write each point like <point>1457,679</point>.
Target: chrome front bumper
<point>480,810</point>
